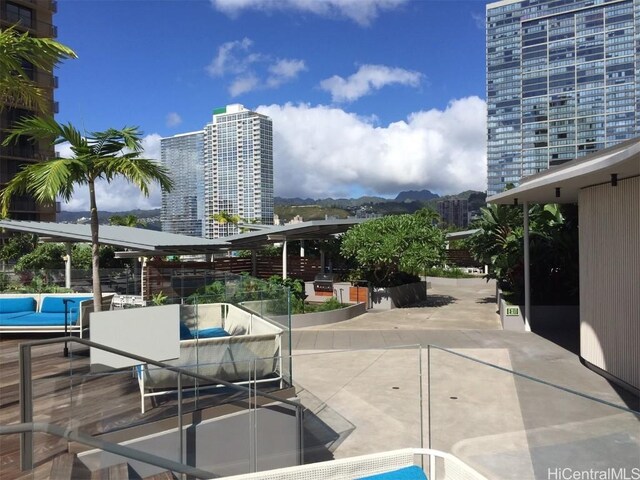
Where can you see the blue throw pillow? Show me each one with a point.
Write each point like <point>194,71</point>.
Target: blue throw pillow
<point>210,333</point>
<point>185,333</point>
<point>407,473</point>
<point>19,304</point>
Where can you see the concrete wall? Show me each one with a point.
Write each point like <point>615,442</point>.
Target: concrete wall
<point>544,318</point>
<point>459,282</point>
<point>321,318</point>
<point>610,278</point>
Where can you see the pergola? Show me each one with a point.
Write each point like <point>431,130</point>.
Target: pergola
<point>140,243</point>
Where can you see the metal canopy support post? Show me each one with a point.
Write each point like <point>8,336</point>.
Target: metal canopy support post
<point>527,270</point>
<point>67,266</point>
<point>284,260</point>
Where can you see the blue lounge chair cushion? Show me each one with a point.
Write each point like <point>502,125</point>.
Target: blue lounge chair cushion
<point>41,320</point>
<point>56,304</point>
<point>211,333</point>
<point>185,333</point>
<point>407,473</point>
<point>17,305</point>
<point>12,319</point>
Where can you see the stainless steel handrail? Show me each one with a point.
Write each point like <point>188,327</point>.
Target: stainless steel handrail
<point>114,448</point>
<point>26,387</point>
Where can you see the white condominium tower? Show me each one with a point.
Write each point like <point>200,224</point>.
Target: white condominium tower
<point>238,169</point>
<point>226,169</point>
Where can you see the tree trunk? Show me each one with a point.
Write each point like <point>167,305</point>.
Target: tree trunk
<point>95,249</point>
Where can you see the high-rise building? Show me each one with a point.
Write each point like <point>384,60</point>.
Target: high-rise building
<point>183,207</point>
<point>562,82</point>
<point>454,212</point>
<point>34,18</point>
<point>222,175</point>
<point>238,169</point>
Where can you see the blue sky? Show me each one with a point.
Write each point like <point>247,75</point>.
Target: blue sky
<point>367,96</point>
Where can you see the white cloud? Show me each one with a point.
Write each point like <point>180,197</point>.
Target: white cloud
<point>251,70</point>
<point>119,195</point>
<point>326,152</point>
<point>362,12</point>
<point>367,79</point>
<point>243,84</point>
<point>284,70</point>
<point>173,119</point>
<point>232,57</point>
<point>322,151</point>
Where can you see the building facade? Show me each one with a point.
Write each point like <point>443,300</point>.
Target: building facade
<point>34,18</point>
<point>223,175</point>
<point>562,82</point>
<point>238,170</point>
<point>183,207</point>
<point>454,212</point>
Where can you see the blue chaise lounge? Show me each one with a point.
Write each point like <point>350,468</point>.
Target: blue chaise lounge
<point>24,314</point>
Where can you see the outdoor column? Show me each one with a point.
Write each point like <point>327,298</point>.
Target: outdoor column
<point>67,266</point>
<point>527,283</point>
<point>321,260</point>
<point>284,259</point>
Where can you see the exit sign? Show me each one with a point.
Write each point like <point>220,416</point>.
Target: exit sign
<point>513,311</point>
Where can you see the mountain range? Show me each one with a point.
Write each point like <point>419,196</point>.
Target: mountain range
<point>286,208</point>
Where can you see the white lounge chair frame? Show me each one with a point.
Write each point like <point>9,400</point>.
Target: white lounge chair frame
<point>216,357</point>
<point>441,466</point>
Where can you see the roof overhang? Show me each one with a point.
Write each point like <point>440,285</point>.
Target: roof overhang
<point>563,183</point>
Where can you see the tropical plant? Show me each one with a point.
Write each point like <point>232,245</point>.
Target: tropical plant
<point>20,49</point>
<point>16,246</point>
<point>387,246</point>
<point>126,221</point>
<point>97,155</point>
<point>553,246</point>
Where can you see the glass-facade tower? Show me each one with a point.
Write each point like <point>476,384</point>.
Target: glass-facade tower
<point>183,208</point>
<point>562,82</point>
<point>238,170</point>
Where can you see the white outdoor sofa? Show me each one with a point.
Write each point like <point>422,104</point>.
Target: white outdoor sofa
<point>249,351</point>
<point>406,464</point>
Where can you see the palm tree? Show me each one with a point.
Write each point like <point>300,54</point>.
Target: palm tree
<point>126,221</point>
<point>98,155</point>
<point>16,49</point>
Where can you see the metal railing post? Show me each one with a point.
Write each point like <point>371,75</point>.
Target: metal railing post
<point>26,407</point>
<point>180,425</point>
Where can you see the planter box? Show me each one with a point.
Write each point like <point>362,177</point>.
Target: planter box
<point>544,318</point>
<point>321,318</point>
<point>400,296</point>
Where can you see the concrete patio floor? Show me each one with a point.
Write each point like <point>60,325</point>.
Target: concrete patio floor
<point>367,387</point>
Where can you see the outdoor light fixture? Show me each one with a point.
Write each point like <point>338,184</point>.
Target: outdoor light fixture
<point>557,192</point>
<point>614,179</point>
<point>515,201</point>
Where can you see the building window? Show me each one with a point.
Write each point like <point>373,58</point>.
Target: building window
<point>19,14</point>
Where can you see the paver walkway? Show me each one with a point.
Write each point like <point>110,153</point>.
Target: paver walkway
<point>505,425</point>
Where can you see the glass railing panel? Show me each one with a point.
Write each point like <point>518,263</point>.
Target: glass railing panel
<point>353,403</point>
<point>510,426</point>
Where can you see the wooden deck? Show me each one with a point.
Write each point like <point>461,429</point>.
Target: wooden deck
<point>66,394</point>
